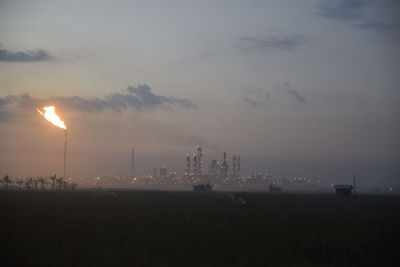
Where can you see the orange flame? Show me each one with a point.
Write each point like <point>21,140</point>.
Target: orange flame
<point>50,115</point>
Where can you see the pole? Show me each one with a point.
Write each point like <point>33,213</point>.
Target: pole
<point>133,162</point>
<point>65,154</point>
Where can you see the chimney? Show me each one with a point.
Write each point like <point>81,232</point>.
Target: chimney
<point>133,162</point>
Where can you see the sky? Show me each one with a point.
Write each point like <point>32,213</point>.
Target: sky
<point>309,88</point>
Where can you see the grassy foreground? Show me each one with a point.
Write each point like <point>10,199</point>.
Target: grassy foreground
<point>197,229</point>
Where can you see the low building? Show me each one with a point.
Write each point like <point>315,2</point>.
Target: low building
<point>344,190</point>
<point>202,187</point>
<point>275,189</point>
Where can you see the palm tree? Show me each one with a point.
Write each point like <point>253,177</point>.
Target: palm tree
<point>19,182</point>
<point>35,183</point>
<point>53,180</point>
<point>6,181</point>
<point>65,185</point>
<point>28,183</point>
<point>59,182</point>
<point>73,186</point>
<point>43,181</point>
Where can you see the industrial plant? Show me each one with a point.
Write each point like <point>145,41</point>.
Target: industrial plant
<point>218,172</point>
<point>200,174</point>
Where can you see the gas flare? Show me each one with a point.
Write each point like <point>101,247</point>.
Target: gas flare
<point>50,115</point>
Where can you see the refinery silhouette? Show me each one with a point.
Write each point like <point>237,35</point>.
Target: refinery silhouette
<point>223,174</point>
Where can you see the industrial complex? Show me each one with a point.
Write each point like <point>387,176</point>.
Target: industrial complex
<point>221,174</point>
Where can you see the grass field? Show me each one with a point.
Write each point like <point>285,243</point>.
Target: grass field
<point>137,228</point>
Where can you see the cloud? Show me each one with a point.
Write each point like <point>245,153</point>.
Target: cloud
<point>27,56</point>
<point>140,97</point>
<point>295,93</point>
<point>146,98</point>
<point>4,113</point>
<point>183,138</point>
<point>342,9</point>
<point>256,97</point>
<point>391,28</point>
<point>254,103</point>
<point>261,98</point>
<point>275,42</point>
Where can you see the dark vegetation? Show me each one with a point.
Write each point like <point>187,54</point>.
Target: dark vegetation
<point>132,228</point>
<point>37,183</point>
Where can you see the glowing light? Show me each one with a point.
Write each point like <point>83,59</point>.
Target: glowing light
<point>49,114</point>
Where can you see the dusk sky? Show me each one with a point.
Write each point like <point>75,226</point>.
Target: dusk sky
<point>310,87</point>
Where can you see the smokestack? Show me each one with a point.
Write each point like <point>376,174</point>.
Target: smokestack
<point>234,166</point>
<point>214,168</point>
<point>187,164</point>
<point>238,166</point>
<point>194,169</point>
<point>199,156</point>
<point>225,166</point>
<point>133,162</point>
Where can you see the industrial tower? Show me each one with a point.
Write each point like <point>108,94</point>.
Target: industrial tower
<point>194,162</point>
<point>187,165</point>
<point>238,166</point>
<point>133,162</point>
<point>199,156</point>
<point>224,169</point>
<point>234,166</point>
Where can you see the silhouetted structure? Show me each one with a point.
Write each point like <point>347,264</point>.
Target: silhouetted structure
<point>234,166</point>
<point>199,156</point>
<point>343,190</point>
<point>133,162</point>
<point>215,168</point>
<point>238,166</point>
<point>274,189</point>
<point>224,169</point>
<point>202,187</point>
<point>163,172</point>
<point>187,165</point>
<point>194,168</point>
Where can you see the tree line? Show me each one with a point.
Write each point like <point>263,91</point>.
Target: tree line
<point>37,183</point>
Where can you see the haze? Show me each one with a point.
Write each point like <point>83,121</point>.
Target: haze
<point>307,87</point>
